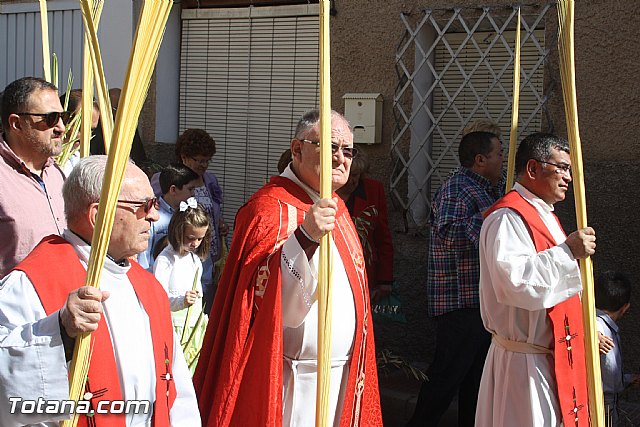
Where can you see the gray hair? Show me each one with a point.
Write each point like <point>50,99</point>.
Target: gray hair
<point>83,186</point>
<point>538,146</point>
<point>311,118</point>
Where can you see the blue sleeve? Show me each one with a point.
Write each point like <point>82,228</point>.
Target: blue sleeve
<point>213,187</point>
<point>155,184</point>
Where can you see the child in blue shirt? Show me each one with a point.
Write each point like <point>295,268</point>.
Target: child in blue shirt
<point>177,183</point>
<point>612,294</point>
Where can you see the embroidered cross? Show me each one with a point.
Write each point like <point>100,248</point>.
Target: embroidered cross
<point>88,395</point>
<point>167,375</point>
<point>358,401</point>
<point>576,407</point>
<point>567,340</point>
<point>360,385</point>
<point>261,280</point>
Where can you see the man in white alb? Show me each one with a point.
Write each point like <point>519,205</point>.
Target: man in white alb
<point>44,306</point>
<point>529,286</point>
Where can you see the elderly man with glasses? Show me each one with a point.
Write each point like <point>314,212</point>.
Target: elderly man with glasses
<point>31,204</point>
<point>534,374</point>
<point>136,357</point>
<point>258,364</point>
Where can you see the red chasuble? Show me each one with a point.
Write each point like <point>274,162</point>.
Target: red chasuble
<point>54,270</point>
<point>238,379</point>
<point>566,321</point>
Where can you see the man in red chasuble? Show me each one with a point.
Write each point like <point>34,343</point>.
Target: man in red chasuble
<point>258,364</point>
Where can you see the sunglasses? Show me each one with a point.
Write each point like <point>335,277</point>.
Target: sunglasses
<point>51,119</point>
<point>146,204</point>
<point>347,152</point>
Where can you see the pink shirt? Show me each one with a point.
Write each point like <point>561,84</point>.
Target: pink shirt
<point>27,212</point>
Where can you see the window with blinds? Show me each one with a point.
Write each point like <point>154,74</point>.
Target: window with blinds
<point>487,95</point>
<point>246,76</point>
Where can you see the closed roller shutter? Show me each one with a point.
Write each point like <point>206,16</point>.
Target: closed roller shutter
<point>246,76</point>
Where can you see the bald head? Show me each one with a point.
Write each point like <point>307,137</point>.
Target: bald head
<point>311,120</point>
<point>305,150</point>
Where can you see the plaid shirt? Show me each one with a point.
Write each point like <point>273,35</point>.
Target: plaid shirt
<point>454,262</point>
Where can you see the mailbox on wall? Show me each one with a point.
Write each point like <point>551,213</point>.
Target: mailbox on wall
<point>364,113</point>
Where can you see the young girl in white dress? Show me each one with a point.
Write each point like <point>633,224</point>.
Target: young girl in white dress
<point>179,269</point>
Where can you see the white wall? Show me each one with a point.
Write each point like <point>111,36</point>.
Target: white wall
<point>115,35</point>
<point>168,79</point>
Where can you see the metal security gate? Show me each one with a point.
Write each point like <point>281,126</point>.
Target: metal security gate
<point>454,67</point>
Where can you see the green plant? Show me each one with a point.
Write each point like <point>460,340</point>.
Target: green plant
<point>70,137</point>
<point>386,361</point>
<point>364,225</point>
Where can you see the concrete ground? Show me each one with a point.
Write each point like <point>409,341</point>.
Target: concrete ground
<point>398,395</point>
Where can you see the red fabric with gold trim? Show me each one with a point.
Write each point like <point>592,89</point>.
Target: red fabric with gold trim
<point>54,280</point>
<point>566,321</point>
<point>238,379</point>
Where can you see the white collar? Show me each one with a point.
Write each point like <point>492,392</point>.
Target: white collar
<point>532,198</point>
<point>83,250</point>
<point>288,173</point>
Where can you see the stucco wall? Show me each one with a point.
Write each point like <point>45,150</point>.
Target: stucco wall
<point>364,36</point>
<point>364,40</point>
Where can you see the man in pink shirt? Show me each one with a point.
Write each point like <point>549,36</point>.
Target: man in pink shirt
<point>31,205</point>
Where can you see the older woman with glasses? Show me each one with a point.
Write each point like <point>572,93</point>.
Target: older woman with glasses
<point>194,149</point>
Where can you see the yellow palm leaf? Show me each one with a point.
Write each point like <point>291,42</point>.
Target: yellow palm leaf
<point>325,262</point>
<point>151,26</point>
<point>567,75</point>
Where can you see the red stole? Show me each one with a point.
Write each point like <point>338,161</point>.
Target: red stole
<point>566,321</point>
<point>55,270</point>
<point>238,379</point>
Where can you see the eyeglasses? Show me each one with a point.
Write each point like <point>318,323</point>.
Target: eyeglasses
<point>146,204</point>
<point>202,162</point>
<point>347,152</point>
<point>51,119</point>
<point>562,168</point>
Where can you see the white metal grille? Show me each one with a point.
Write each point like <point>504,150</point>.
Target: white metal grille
<point>246,76</point>
<point>455,67</point>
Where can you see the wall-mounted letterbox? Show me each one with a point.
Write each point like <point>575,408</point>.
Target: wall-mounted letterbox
<point>364,113</point>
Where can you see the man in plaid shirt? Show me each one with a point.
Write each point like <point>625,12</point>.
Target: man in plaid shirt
<point>452,281</point>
